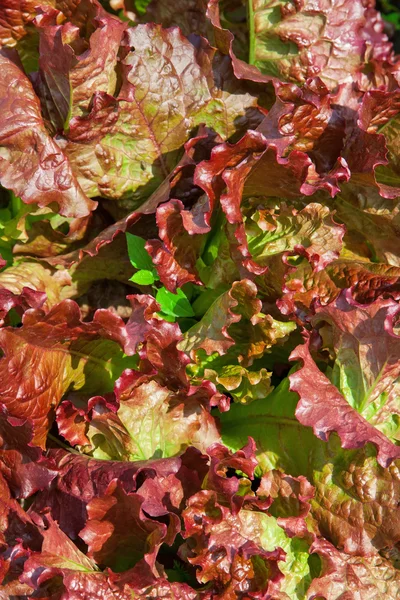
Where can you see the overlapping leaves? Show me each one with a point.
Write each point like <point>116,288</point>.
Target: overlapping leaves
<point>199,301</point>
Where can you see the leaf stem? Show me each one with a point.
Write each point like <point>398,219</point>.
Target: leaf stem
<point>252,37</point>
<point>15,204</point>
<point>54,439</point>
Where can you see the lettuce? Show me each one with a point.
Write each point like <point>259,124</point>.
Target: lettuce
<point>199,300</point>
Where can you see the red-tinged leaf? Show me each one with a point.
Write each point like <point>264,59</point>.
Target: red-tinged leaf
<point>52,82</point>
<point>14,16</point>
<point>224,461</point>
<point>254,167</point>
<point>176,257</point>
<point>311,233</point>
<point>251,505</point>
<point>171,274</point>
<point>72,423</point>
<point>296,42</point>
<point>53,343</point>
<point>378,108</point>
<point>366,356</point>
<point>286,498</point>
<point>188,15</point>
<point>225,40</point>
<point>127,158</point>
<point>102,278</point>
<point>379,48</point>
<point>195,150</point>
<point>378,167</point>
<point>42,283</point>
<point>382,67</point>
<point>211,334</point>
<point>309,121</point>
<point>57,549</point>
<point>347,508</point>
<point>218,545</point>
<point>148,421</point>
<point>234,326</point>
<point>68,80</point>
<point>32,165</point>
<point>107,236</point>
<point>142,582</point>
<point>110,450</point>
<point>309,141</point>
<point>343,576</point>
<point>356,516</point>
<point>18,537</point>
<point>66,570</point>
<point>41,239</point>
<point>160,339</point>
<point>28,298</point>
<point>368,281</point>
<point>99,121</point>
<point>208,174</point>
<point>71,581</point>
<point>380,114</point>
<point>142,320</point>
<point>81,479</point>
<point>112,543</point>
<point>11,569</point>
<point>290,501</point>
<point>101,282</point>
<point>74,416</point>
<point>55,583</point>
<point>323,408</point>
<point>160,423</point>
<point>179,259</point>
<point>371,222</point>
<point>24,466</point>
<point>13,521</point>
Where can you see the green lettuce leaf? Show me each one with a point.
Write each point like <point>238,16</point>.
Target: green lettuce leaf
<point>354,503</point>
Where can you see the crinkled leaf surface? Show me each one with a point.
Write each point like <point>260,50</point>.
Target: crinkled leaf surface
<point>46,345</point>
<point>323,408</point>
<point>369,577</point>
<point>366,357</point>
<point>156,109</point>
<point>345,505</point>
<point>150,422</point>
<point>199,399</point>
<point>308,39</point>
<point>32,165</point>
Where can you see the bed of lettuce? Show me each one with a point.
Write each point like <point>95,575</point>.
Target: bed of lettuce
<point>199,300</point>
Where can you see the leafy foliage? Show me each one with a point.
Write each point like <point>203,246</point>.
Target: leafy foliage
<point>199,300</point>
